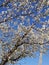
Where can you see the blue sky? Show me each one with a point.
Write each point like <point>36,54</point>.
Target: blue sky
<point>29,60</point>
<point>34,61</point>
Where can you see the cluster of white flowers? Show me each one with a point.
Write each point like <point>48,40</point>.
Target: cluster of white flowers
<point>22,21</point>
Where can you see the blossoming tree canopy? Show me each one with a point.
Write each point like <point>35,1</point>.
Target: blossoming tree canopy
<point>24,27</point>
